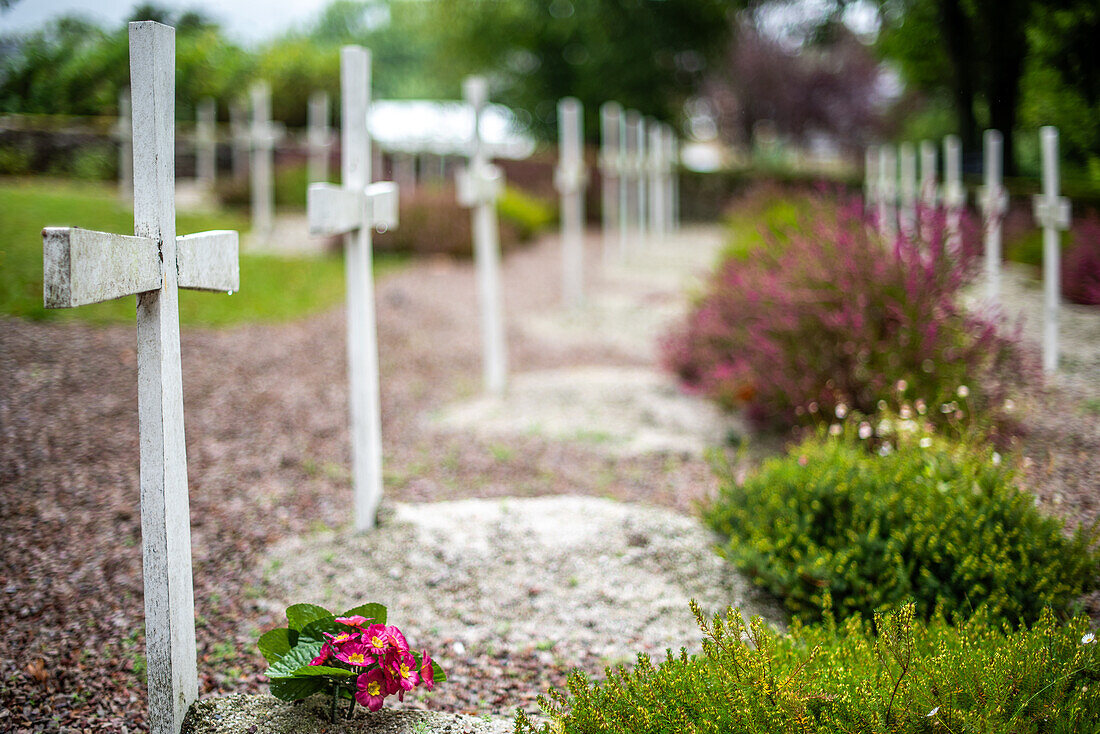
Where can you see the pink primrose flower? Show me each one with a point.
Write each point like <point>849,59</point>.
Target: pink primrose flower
<point>355,653</point>
<point>326,652</point>
<point>353,621</point>
<point>397,639</point>
<point>404,669</point>
<point>372,689</point>
<point>427,677</point>
<point>377,639</point>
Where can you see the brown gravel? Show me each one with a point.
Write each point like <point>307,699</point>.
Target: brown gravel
<point>267,457</point>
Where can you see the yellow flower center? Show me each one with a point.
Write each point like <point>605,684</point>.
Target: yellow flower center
<point>377,641</point>
<point>373,688</point>
<point>356,658</point>
<point>404,670</point>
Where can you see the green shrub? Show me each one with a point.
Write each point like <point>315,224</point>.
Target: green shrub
<point>14,160</point>
<point>528,214</point>
<point>931,521</point>
<point>909,678</point>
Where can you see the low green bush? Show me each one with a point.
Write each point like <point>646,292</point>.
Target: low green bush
<point>528,214</point>
<point>926,520</point>
<point>15,160</point>
<point>897,676</point>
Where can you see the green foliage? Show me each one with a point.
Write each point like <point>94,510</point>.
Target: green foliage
<point>648,55</point>
<point>272,288</point>
<point>14,160</point>
<point>528,214</point>
<point>94,163</point>
<point>909,678</point>
<point>934,522</point>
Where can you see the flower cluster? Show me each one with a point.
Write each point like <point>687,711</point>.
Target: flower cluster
<point>381,651</point>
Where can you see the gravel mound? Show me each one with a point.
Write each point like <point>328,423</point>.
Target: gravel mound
<point>569,578</point>
<point>617,411</point>
<point>264,714</point>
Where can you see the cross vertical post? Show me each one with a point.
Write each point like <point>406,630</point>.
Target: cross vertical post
<point>954,194</point>
<point>670,179</point>
<point>610,173</point>
<point>641,163</point>
<point>124,132</point>
<point>888,193</point>
<point>479,185</point>
<point>870,182</point>
<point>626,181</point>
<point>205,143</point>
<point>908,209</point>
<point>674,185</point>
<point>655,169</point>
<point>993,200</point>
<point>929,189</point>
<point>262,140</point>
<point>352,209</point>
<point>569,179</point>
<point>318,136</point>
<point>1052,213</point>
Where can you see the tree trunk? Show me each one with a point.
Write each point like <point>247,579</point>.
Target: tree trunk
<point>1006,21</point>
<point>959,40</point>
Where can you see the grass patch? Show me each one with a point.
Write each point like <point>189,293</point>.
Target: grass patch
<point>272,288</point>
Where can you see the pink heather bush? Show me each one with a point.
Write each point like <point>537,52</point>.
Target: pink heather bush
<point>836,316</point>
<point>1081,263</point>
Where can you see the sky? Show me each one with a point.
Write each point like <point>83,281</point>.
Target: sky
<point>246,21</point>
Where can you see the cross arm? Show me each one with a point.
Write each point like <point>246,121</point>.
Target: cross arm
<point>207,261</point>
<point>1051,213</point>
<point>570,177</point>
<point>479,184</point>
<point>81,266</point>
<point>335,210</point>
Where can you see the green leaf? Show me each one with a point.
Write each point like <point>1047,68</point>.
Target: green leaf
<point>299,656</point>
<point>276,643</point>
<point>315,671</point>
<point>375,612</point>
<point>438,676</point>
<point>299,615</point>
<point>292,689</point>
<point>314,631</point>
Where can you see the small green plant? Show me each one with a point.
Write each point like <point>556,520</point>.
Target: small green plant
<point>894,675</point>
<point>528,214</point>
<point>355,656</point>
<point>923,519</point>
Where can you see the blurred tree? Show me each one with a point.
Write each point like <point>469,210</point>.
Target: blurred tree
<point>826,86</point>
<point>649,55</point>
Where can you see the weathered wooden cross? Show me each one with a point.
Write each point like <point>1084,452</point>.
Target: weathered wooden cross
<point>929,189</point>
<point>993,200</point>
<point>262,137</point>
<point>570,179</point>
<point>611,182</point>
<point>206,154</point>
<point>655,170</point>
<point>352,209</point>
<point>478,186</point>
<point>870,180</point>
<point>1052,213</point>
<point>672,162</point>
<point>318,136</point>
<point>907,210</point>
<point>124,131</point>
<point>954,193</point>
<point>638,125</point>
<point>81,266</point>
<point>887,192</point>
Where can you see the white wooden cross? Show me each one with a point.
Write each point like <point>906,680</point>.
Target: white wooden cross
<point>674,182</point>
<point>1052,213</point>
<point>570,179</point>
<point>206,160</point>
<point>478,186</point>
<point>262,135</point>
<point>870,181</point>
<point>669,177</point>
<point>318,136</point>
<point>993,200</point>
<point>954,194</point>
<point>352,209</point>
<point>124,132</point>
<point>929,189</point>
<point>908,211</point>
<point>637,123</point>
<point>81,266</point>
<point>887,193</point>
<point>238,131</point>
<point>628,198</point>
<point>611,182</point>
<point>655,168</point>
